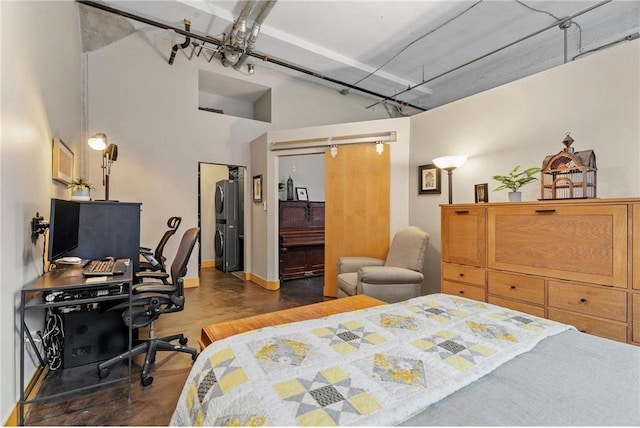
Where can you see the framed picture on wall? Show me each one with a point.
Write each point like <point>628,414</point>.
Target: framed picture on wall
<point>429,179</point>
<point>257,188</point>
<point>62,156</point>
<point>482,192</point>
<point>301,193</point>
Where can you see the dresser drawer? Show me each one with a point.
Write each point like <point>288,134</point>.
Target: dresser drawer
<point>517,306</point>
<point>526,288</point>
<point>595,326</point>
<point>468,274</point>
<point>463,290</point>
<point>597,301</point>
<point>635,316</point>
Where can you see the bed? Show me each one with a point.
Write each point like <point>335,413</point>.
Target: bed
<point>432,360</point>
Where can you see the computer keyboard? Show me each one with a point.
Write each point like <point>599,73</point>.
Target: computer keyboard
<point>104,267</point>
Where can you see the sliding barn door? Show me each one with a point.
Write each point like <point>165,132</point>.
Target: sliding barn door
<point>356,207</point>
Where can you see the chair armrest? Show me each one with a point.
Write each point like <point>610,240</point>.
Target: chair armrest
<point>352,264</point>
<point>145,250</point>
<point>153,287</point>
<point>156,275</point>
<point>389,275</point>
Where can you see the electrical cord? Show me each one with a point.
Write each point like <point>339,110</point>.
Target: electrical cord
<point>557,19</point>
<point>53,339</point>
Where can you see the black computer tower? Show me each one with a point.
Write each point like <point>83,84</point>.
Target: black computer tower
<point>93,336</point>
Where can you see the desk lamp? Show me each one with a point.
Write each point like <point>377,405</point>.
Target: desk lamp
<point>449,163</point>
<point>109,155</point>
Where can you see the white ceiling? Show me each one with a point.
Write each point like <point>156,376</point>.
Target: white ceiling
<point>385,47</point>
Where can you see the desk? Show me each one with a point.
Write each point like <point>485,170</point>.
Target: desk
<point>69,280</point>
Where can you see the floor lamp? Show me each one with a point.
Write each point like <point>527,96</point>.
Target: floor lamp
<point>109,155</point>
<point>449,163</point>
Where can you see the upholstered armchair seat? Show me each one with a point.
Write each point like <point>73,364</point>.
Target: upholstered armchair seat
<point>397,278</point>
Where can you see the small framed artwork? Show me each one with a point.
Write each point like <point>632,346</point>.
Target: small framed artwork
<point>429,179</point>
<point>62,156</point>
<point>301,193</point>
<point>482,192</point>
<point>257,188</point>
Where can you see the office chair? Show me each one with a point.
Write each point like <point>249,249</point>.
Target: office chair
<point>155,260</point>
<point>149,301</point>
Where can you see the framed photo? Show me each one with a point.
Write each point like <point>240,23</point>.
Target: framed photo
<point>257,188</point>
<point>301,193</point>
<point>429,179</point>
<point>482,192</point>
<point>62,168</point>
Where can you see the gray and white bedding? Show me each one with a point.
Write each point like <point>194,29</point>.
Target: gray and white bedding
<point>433,360</point>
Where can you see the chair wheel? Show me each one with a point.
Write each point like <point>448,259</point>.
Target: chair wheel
<point>183,341</point>
<point>102,373</point>
<point>146,381</point>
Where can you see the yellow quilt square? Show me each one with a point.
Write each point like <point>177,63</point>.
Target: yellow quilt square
<point>365,403</point>
<point>289,388</point>
<point>334,374</point>
<point>315,418</point>
<point>221,356</point>
<point>231,380</point>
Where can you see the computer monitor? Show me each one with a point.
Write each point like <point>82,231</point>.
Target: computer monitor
<point>63,228</point>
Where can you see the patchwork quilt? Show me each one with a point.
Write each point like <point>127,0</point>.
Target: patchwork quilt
<point>377,366</point>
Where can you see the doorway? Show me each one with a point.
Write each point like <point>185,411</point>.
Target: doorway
<point>221,189</point>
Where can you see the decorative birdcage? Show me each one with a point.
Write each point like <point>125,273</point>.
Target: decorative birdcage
<point>569,174</point>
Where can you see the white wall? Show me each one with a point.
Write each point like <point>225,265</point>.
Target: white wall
<point>149,108</point>
<point>40,100</point>
<point>596,98</point>
<point>305,171</point>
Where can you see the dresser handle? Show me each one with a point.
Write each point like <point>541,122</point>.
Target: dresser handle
<point>583,300</point>
<point>461,211</point>
<point>583,331</point>
<point>461,274</point>
<point>547,211</point>
<point>513,287</point>
<point>461,291</point>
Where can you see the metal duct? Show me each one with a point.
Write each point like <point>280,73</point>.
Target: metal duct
<point>255,31</point>
<point>235,41</point>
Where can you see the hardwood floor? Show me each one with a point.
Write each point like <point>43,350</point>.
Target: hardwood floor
<point>220,297</point>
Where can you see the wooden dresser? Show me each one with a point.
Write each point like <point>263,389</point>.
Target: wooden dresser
<point>301,239</point>
<point>574,261</point>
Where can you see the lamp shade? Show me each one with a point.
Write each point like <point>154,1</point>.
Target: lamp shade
<point>98,141</point>
<point>450,162</point>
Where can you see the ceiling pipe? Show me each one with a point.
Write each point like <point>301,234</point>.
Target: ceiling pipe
<point>557,23</point>
<point>255,31</point>
<point>235,40</point>
<point>263,57</point>
<point>174,50</point>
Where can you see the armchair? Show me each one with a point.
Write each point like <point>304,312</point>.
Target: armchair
<point>152,299</point>
<point>397,278</point>
<point>154,260</point>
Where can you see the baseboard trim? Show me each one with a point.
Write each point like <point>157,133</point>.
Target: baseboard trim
<point>208,263</point>
<point>191,282</point>
<point>269,285</point>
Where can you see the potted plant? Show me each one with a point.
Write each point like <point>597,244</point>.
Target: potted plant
<point>515,180</point>
<point>80,189</point>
